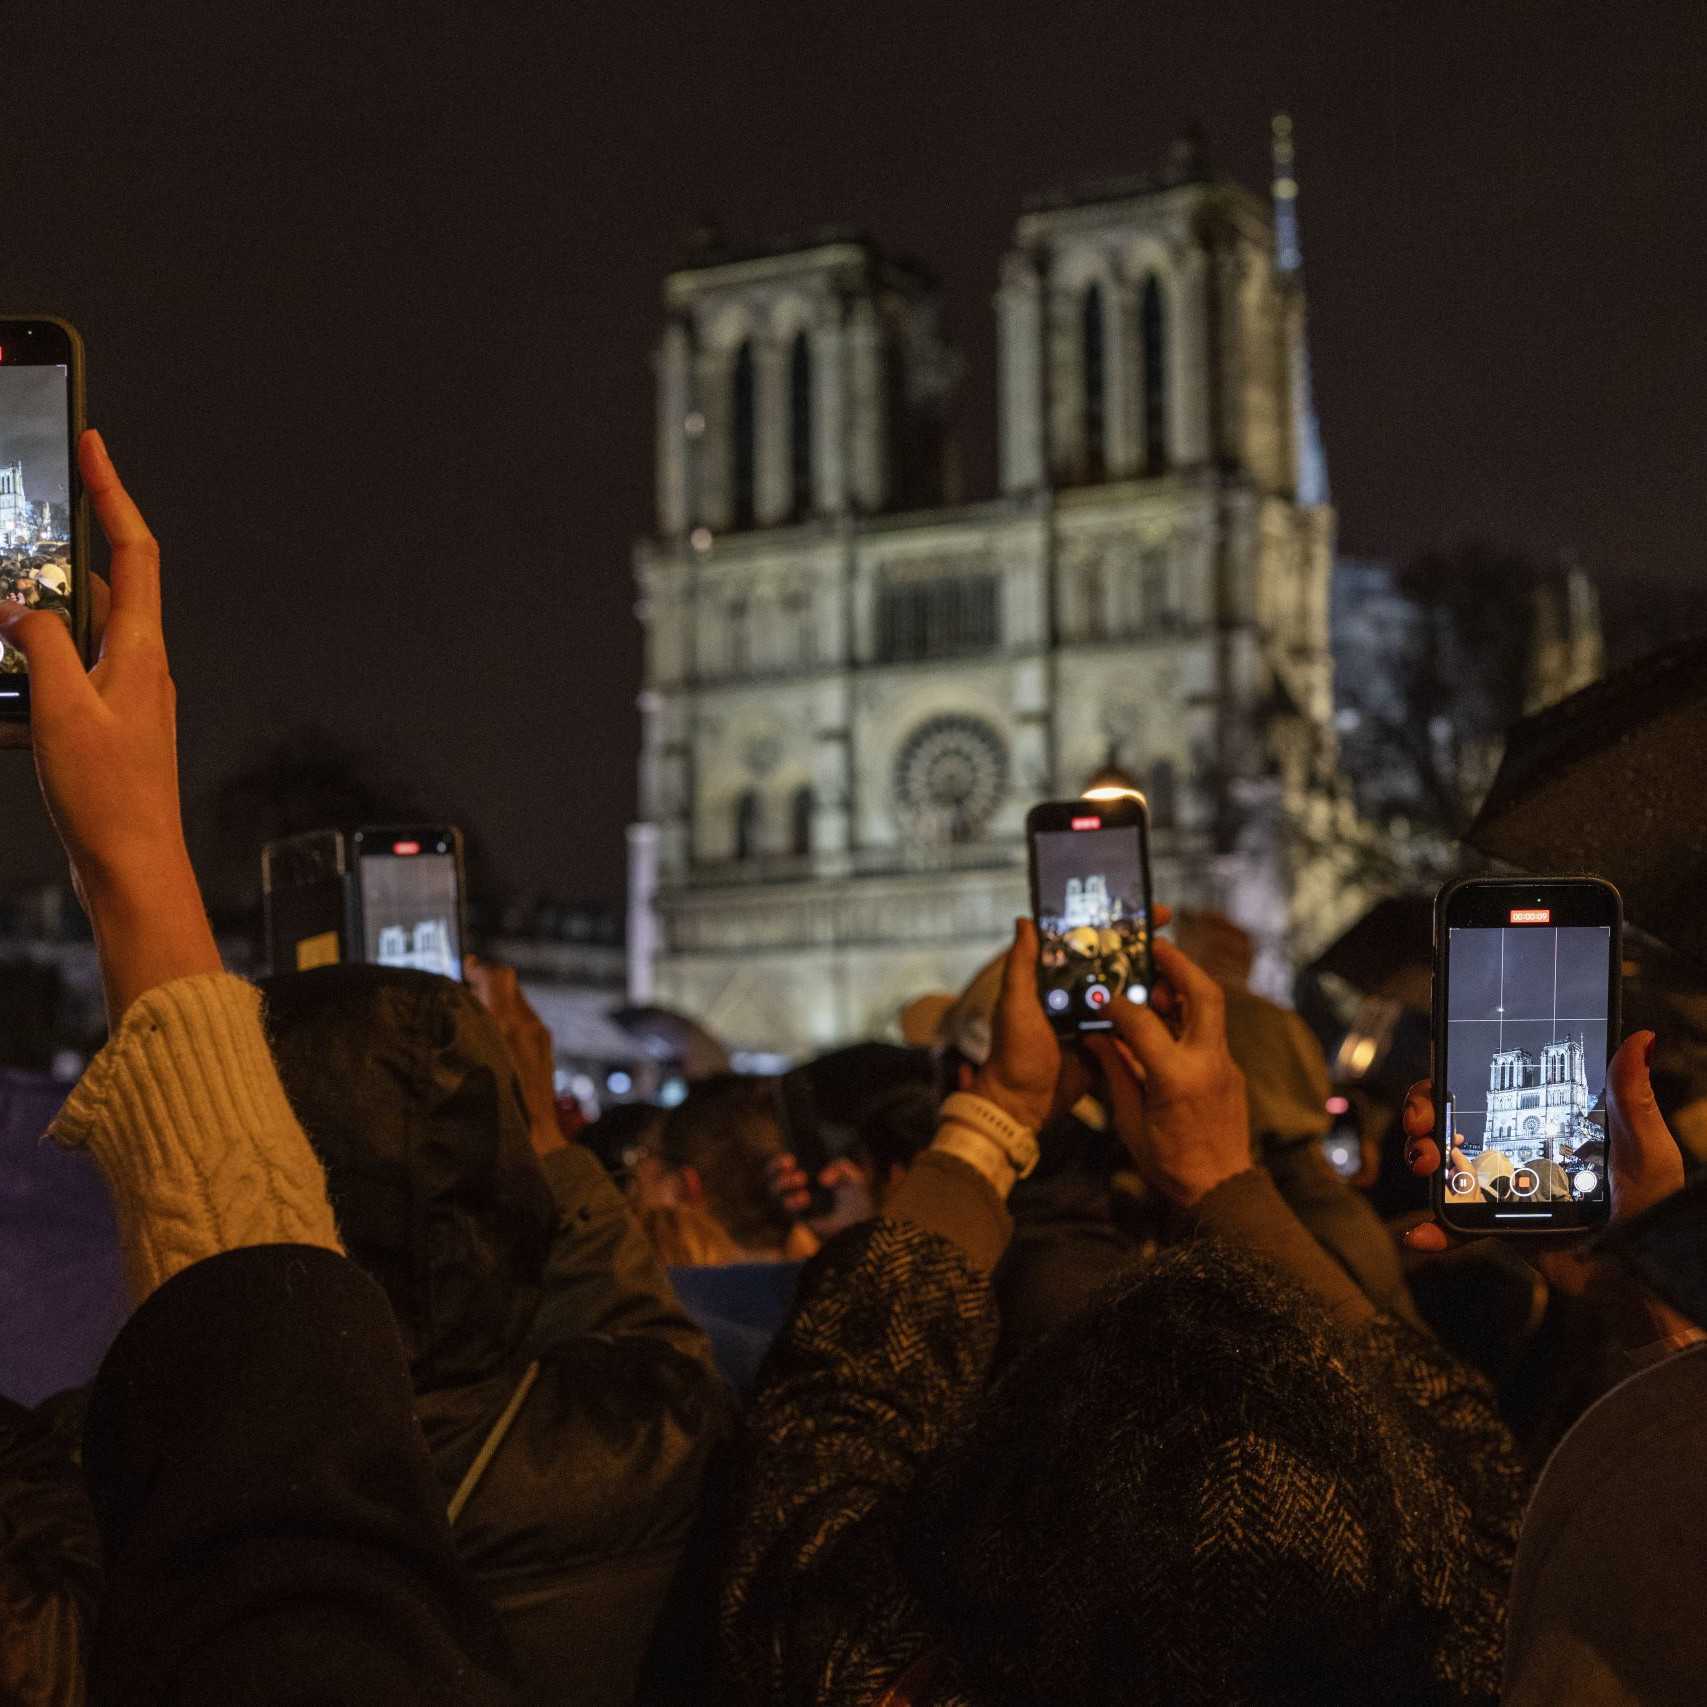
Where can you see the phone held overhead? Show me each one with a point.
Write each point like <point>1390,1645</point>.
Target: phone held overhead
<point>44,553</point>
<point>1090,896</point>
<point>388,896</point>
<point>1526,1016</point>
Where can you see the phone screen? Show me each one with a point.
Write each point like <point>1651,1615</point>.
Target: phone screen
<point>411,904</point>
<point>35,486</point>
<point>1093,920</point>
<point>1527,1036</point>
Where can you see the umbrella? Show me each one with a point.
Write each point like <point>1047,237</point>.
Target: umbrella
<point>1607,782</point>
<point>670,1036</point>
<point>1388,952</point>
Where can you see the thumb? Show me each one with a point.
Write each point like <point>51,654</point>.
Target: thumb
<point>1019,980</point>
<point>1645,1163</point>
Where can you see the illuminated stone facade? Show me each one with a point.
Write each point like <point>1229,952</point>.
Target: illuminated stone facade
<point>855,686</point>
<point>1538,1108</point>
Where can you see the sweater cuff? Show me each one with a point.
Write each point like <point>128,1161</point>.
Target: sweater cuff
<point>184,1115</point>
<point>949,1197</point>
<point>1248,1211</point>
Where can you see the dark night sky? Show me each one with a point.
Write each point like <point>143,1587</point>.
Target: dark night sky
<point>369,292</point>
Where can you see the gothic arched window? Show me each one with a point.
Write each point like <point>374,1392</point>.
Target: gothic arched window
<point>1153,332</point>
<point>800,422</point>
<point>743,439</point>
<point>1095,379</point>
<point>800,820</point>
<point>747,814</point>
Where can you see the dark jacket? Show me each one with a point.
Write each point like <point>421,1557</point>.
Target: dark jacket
<point>272,1529</point>
<point>50,1557</point>
<point>495,1263</point>
<point>880,1376</point>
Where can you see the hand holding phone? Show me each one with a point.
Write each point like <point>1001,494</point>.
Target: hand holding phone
<point>1645,1162</point>
<point>105,744</point>
<point>1526,1003</point>
<point>1178,1101</point>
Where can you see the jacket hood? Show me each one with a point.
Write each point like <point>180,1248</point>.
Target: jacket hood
<point>409,1098</point>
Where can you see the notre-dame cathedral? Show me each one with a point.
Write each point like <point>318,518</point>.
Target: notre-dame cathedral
<point>855,686</point>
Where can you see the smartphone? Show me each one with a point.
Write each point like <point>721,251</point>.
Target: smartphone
<point>408,896</point>
<point>1526,1014</point>
<point>1090,895</point>
<point>803,1133</point>
<point>44,552</point>
<point>305,896</point>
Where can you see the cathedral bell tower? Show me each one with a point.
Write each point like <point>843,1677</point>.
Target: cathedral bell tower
<point>798,384</point>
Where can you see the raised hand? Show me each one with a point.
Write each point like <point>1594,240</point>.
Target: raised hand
<point>105,743</point>
<point>1644,1163</point>
<point>528,1041</point>
<point>1178,1101</point>
<point>1025,1065</point>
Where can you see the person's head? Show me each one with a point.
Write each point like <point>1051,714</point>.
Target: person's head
<point>1184,1495</point>
<point>717,1143</point>
<point>404,1087</point>
<point>893,1130</point>
<point>1222,948</point>
<point>688,1235</point>
<point>624,1136</point>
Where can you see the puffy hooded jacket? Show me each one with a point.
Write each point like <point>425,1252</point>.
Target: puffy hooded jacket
<point>533,1311</point>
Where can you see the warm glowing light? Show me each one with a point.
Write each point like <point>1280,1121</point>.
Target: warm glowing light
<point>1362,1053</point>
<point>1338,1105</point>
<point>1110,792</point>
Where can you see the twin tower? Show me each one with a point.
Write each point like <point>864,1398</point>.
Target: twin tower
<point>857,681</point>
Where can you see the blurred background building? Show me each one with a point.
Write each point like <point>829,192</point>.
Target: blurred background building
<point>856,685</point>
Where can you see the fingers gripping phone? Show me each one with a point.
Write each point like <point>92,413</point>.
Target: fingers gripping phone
<point>1090,896</point>
<point>43,521</point>
<point>1526,1015</point>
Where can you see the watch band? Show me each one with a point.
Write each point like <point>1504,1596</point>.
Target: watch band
<point>1016,1141</point>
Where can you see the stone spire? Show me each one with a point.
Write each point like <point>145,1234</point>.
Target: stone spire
<point>1311,471</point>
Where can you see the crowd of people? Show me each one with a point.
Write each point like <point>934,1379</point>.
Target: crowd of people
<point>39,578</point>
<point>973,1372</point>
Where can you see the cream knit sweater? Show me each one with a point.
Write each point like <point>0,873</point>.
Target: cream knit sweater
<point>185,1116</point>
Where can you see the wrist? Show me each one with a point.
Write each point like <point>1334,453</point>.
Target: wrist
<point>1027,1109</point>
<point>1187,1191</point>
<point>150,928</point>
<point>153,872</point>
